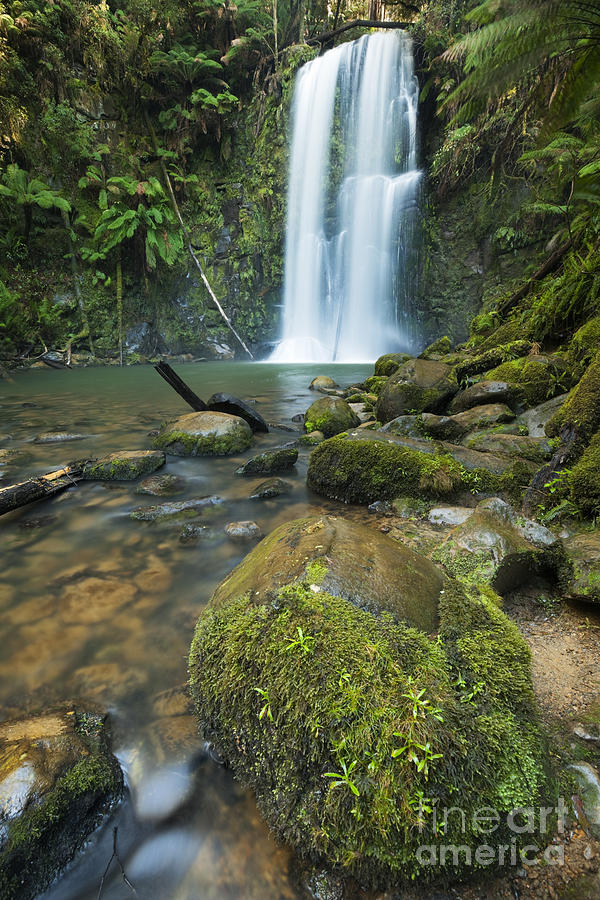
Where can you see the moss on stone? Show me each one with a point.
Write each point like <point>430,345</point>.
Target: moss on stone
<point>375,383</point>
<point>514,329</point>
<point>125,466</point>
<point>584,479</point>
<point>279,459</point>
<point>440,347</point>
<point>483,362</point>
<point>351,728</point>
<point>581,410</point>
<point>388,363</point>
<point>330,416</point>
<point>205,434</point>
<point>539,377</point>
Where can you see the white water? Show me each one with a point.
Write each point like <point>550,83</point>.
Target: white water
<point>352,204</point>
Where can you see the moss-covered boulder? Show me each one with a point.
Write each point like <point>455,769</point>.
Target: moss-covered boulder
<point>536,449</point>
<point>438,349</point>
<point>279,459</point>
<point>486,392</point>
<point>419,385</point>
<point>453,428</point>
<point>124,466</point>
<point>365,466</point>
<point>389,363</point>
<point>538,377</point>
<point>375,384</point>
<point>478,363</point>
<point>343,558</point>
<point>499,547</point>
<point>584,479</point>
<point>57,780</point>
<point>323,382</point>
<point>407,426</point>
<point>583,550</point>
<point>204,434</point>
<point>351,728</point>
<point>580,413</point>
<point>330,415</point>
<point>534,420</point>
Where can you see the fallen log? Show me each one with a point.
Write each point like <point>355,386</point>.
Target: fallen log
<point>178,385</point>
<point>17,495</point>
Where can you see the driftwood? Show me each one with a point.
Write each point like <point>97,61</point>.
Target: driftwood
<point>17,495</point>
<point>355,23</point>
<point>172,378</point>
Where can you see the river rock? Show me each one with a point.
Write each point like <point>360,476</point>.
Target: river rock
<point>205,434</point>
<point>583,550</point>
<point>273,487</point>
<point>345,559</point>
<point>330,415</point>
<point>390,363</point>
<point>58,437</point>
<point>311,439</point>
<point>57,780</point>
<point>453,428</point>
<point>498,546</point>
<point>243,531</point>
<point>407,426</point>
<point>279,459</point>
<point>191,534</point>
<point>538,377</point>
<point>589,786</point>
<point>485,393</point>
<point>160,486</point>
<point>124,466</point>
<point>449,515</point>
<point>322,382</point>
<point>419,385</point>
<point>333,675</point>
<point>227,403</point>
<point>536,449</point>
<point>174,511</point>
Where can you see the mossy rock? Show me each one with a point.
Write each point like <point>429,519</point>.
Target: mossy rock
<point>584,552</point>
<point>204,434</point>
<point>483,362</point>
<point>406,426</point>
<point>57,780</point>
<point>419,385</point>
<point>389,363</point>
<point>497,546</point>
<point>535,449</point>
<point>330,415</point>
<point>584,479</point>
<point>539,377</point>
<point>279,459</point>
<point>124,466</point>
<point>581,410</point>
<point>344,558</point>
<point>365,466</point>
<point>375,384</point>
<point>323,382</point>
<point>453,428</point>
<point>439,348</point>
<point>312,702</point>
<point>488,391</point>
<point>515,329</point>
<point>585,342</point>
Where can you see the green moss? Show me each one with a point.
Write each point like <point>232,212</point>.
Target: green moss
<point>584,479</point>
<point>539,378</point>
<point>514,329</point>
<point>351,728</point>
<point>388,363</point>
<point>280,459</point>
<point>438,348</point>
<point>46,836</point>
<point>180,443</point>
<point>581,410</point>
<point>330,416</point>
<point>483,362</point>
<point>375,383</point>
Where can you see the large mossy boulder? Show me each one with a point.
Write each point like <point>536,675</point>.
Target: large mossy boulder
<point>366,466</point>
<point>343,558</point>
<point>484,393</point>
<point>57,780</point>
<point>584,479</point>
<point>204,434</point>
<point>453,428</point>
<point>499,547</point>
<point>390,363</point>
<point>278,459</point>
<point>419,385</point>
<point>583,550</point>
<point>579,415</point>
<point>330,415</point>
<point>351,727</point>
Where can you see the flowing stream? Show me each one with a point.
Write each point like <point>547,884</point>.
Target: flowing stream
<point>96,608</point>
<point>350,258</point>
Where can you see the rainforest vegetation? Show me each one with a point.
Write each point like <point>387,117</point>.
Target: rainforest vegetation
<point>104,107</point>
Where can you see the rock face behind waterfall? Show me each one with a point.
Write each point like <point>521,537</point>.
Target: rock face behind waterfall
<point>314,675</point>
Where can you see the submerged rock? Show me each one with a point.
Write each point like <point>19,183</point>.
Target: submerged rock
<point>191,534</point>
<point>124,466</point>
<point>419,385</point>
<point>496,545</point>
<point>279,459</point>
<point>205,434</point>
<point>325,731</point>
<point>227,403</point>
<point>57,780</point>
<point>273,487</point>
<point>330,415</point>
<point>175,510</point>
<point>243,531</point>
<point>449,515</point>
<point>58,437</point>
<point>160,486</point>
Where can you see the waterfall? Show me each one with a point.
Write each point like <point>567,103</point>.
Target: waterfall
<point>352,204</point>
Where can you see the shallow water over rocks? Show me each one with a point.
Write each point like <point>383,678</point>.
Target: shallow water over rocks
<point>97,607</point>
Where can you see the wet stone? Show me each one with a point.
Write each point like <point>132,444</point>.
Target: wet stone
<point>279,459</point>
<point>227,403</point>
<point>191,534</point>
<point>243,531</point>
<point>125,465</point>
<point>175,510</point>
<point>449,515</point>
<point>160,485</point>
<point>270,488</point>
<point>58,437</point>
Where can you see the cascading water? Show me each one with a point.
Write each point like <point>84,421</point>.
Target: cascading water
<point>352,204</point>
